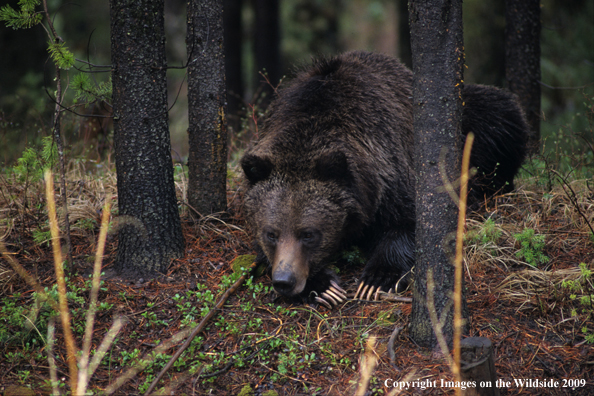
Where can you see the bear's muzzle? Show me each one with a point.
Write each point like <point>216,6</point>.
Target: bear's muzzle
<point>289,269</point>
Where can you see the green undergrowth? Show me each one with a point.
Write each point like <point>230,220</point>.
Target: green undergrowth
<point>279,342</point>
<point>581,293</point>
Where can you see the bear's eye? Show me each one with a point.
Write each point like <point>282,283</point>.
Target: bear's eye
<point>308,236</point>
<point>271,236</point>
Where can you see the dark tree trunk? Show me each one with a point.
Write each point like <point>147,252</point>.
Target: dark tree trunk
<point>267,44</point>
<point>207,129</point>
<point>438,58</point>
<point>522,60</point>
<point>404,51</point>
<point>485,48</point>
<point>233,33</point>
<point>150,229</point>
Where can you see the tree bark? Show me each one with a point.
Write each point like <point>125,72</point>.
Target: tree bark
<point>478,365</point>
<point>207,129</point>
<point>150,232</point>
<point>522,60</point>
<point>438,59</point>
<point>233,33</point>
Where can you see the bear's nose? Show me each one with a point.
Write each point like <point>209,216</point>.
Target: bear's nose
<point>284,282</point>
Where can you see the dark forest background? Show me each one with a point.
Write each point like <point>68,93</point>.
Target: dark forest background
<point>306,28</point>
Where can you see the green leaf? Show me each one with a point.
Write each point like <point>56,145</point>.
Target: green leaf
<point>49,151</point>
<point>26,18</point>
<point>61,55</point>
<point>87,92</point>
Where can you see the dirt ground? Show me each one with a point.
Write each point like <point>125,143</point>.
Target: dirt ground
<point>260,340</point>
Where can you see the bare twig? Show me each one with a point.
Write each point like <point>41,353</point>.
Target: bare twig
<point>391,343</point>
<point>573,199</point>
<point>27,277</point>
<point>57,135</point>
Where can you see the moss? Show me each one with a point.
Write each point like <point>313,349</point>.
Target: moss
<point>246,390</point>
<point>241,262</point>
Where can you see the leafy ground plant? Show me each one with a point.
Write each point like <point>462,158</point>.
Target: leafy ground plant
<point>531,246</point>
<point>582,292</point>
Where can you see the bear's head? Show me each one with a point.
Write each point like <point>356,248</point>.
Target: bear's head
<point>298,218</point>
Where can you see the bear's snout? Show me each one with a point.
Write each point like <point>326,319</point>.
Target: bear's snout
<point>289,269</point>
<point>284,281</point>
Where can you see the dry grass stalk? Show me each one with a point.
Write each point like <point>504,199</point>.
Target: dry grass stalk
<point>60,279</point>
<point>85,372</point>
<point>458,320</point>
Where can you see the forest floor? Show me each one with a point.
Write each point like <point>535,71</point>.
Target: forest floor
<point>540,319</point>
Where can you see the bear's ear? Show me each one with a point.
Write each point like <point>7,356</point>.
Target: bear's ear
<point>256,168</point>
<point>333,166</point>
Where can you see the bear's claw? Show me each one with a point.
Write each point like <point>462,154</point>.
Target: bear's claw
<point>364,292</point>
<point>333,296</point>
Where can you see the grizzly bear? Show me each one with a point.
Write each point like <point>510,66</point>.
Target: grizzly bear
<point>333,168</point>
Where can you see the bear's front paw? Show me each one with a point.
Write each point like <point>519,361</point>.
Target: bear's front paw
<point>333,296</point>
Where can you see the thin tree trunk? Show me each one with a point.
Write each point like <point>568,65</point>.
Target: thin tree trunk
<point>207,129</point>
<point>150,232</point>
<point>233,60</point>
<point>484,42</point>
<point>267,43</point>
<point>522,60</point>
<point>438,58</point>
<point>57,136</point>
<point>404,51</point>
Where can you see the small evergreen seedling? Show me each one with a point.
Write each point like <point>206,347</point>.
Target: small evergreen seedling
<point>531,247</point>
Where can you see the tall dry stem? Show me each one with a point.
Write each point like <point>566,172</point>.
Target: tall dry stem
<point>458,320</point>
<point>61,281</point>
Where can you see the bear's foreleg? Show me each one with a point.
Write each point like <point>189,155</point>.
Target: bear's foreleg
<point>389,265</point>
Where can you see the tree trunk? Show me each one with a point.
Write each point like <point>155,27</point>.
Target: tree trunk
<point>267,44</point>
<point>207,129</point>
<point>478,365</point>
<point>484,42</point>
<point>404,51</point>
<point>233,33</point>
<point>150,229</point>
<point>522,60</point>
<point>438,58</point>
